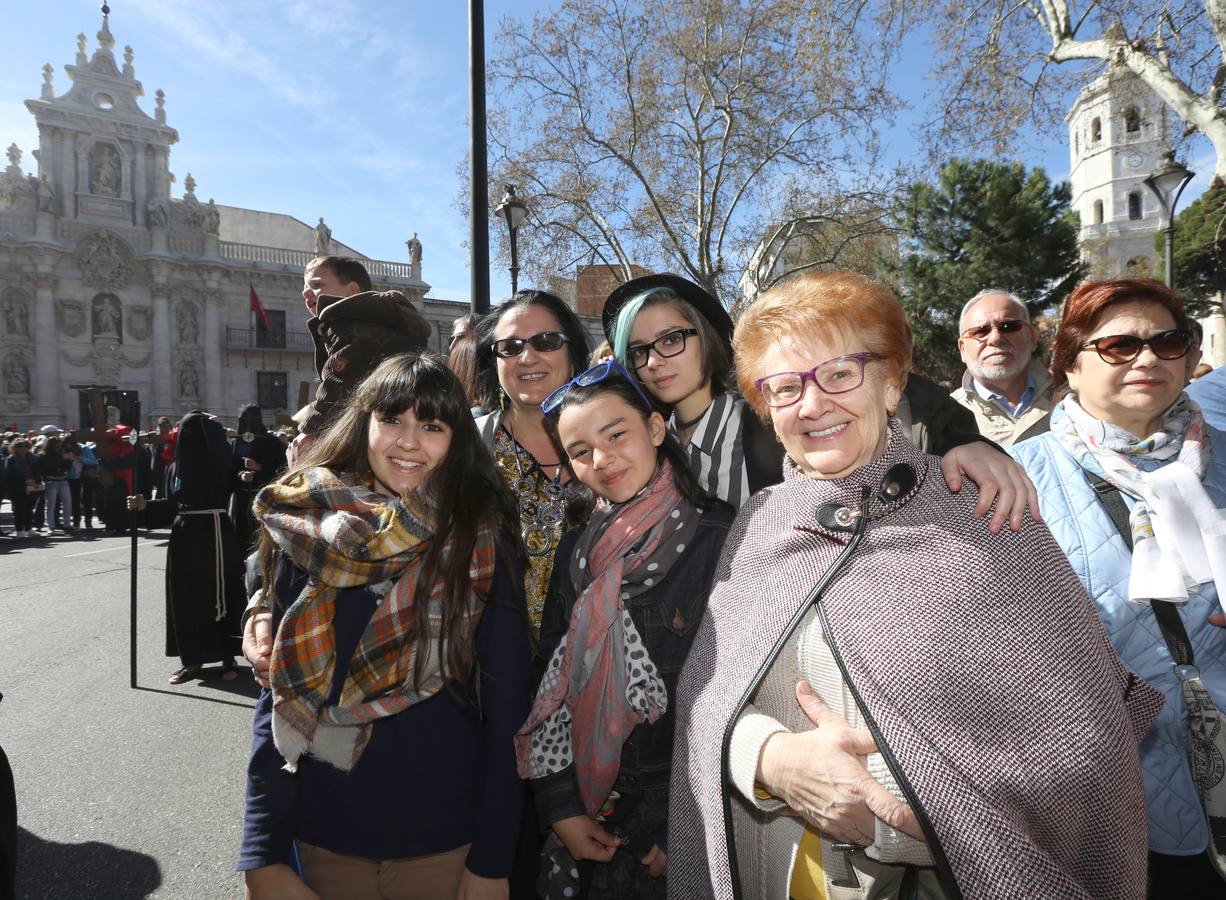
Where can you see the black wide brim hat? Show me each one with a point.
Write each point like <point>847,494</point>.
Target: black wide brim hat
<point>710,308</point>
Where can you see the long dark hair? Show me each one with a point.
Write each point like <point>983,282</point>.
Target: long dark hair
<point>670,449</point>
<point>466,492</point>
<point>578,346</point>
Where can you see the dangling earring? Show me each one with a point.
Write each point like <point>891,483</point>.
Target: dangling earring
<point>502,400</point>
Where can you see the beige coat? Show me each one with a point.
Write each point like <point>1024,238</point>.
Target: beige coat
<point>994,421</point>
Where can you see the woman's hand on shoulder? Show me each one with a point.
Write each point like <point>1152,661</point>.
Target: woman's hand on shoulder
<point>999,478</point>
<point>476,887</point>
<point>656,862</point>
<point>278,882</point>
<point>821,775</point>
<point>585,838</point>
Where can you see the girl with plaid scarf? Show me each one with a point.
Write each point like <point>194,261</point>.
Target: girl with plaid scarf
<point>400,666</point>
<point>625,599</point>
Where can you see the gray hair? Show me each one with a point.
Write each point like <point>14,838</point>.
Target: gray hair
<point>992,292</point>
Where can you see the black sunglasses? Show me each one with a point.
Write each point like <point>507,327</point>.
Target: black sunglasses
<point>665,345</point>
<point>1117,349</point>
<point>594,375</point>
<point>545,342</point>
<point>1004,326</point>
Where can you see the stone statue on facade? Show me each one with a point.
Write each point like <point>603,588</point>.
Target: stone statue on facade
<point>414,250</point>
<point>44,195</point>
<point>323,239</point>
<point>16,318</point>
<point>188,332</point>
<point>108,318</point>
<point>156,210</point>
<point>105,171</point>
<point>212,218</point>
<point>48,91</point>
<point>16,378</point>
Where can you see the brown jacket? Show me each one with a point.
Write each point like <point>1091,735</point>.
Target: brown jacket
<point>352,336</point>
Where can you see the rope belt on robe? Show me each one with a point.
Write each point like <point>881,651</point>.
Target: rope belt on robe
<point>218,556</point>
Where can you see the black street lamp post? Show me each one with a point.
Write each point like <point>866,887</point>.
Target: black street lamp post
<point>511,209</point>
<point>479,235</point>
<point>1167,183</point>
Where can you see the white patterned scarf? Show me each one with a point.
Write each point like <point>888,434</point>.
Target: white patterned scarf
<point>1178,535</point>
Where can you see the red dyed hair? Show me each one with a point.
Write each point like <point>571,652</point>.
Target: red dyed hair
<point>821,304</point>
<point>1084,308</point>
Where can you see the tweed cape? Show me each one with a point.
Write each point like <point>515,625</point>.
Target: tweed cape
<point>979,656</point>
<point>344,534</point>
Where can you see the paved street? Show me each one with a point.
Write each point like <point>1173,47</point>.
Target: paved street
<point>121,793</point>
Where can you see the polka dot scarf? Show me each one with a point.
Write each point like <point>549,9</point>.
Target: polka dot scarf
<point>600,682</point>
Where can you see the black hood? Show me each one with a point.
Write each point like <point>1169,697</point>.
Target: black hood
<point>251,419</point>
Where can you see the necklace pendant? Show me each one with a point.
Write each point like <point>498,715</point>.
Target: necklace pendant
<point>524,487</point>
<point>553,490</point>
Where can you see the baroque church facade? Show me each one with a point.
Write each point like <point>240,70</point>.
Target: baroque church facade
<point>108,281</point>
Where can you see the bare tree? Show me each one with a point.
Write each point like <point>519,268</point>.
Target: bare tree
<point>671,133</point>
<point>1002,62</point>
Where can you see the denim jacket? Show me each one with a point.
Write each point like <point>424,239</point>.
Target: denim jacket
<point>667,617</point>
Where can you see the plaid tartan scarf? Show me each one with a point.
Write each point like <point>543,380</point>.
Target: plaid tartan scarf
<point>344,534</point>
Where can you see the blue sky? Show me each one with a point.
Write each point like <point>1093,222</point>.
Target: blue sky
<point>354,110</point>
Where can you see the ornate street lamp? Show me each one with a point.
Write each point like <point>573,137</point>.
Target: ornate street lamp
<point>1167,183</point>
<point>512,210</point>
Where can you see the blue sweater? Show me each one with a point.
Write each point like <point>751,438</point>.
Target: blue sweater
<point>439,775</point>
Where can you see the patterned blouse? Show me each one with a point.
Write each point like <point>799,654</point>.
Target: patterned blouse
<point>546,511</point>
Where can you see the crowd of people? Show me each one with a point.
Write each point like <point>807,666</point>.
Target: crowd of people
<point>722,609</point>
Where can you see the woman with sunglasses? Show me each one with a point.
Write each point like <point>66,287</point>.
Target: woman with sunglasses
<point>676,338</point>
<point>1126,431</point>
<point>527,348</point>
<point>624,603</point>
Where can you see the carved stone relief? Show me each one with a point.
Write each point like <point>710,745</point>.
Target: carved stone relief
<point>189,381</point>
<point>16,377</point>
<point>140,322</point>
<point>107,361</point>
<point>105,171</point>
<point>105,260</point>
<point>70,316</point>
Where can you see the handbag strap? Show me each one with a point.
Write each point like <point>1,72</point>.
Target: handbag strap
<point>1169,623</point>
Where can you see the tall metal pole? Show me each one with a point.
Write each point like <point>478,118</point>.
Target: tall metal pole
<point>1169,244</point>
<point>514,258</point>
<point>137,464</point>
<point>479,236</point>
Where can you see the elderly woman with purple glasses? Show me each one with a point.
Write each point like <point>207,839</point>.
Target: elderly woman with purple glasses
<point>885,698</point>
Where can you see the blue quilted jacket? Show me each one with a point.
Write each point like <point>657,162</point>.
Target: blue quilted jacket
<point>1102,561</point>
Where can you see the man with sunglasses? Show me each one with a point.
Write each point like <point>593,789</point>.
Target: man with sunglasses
<point>1008,391</point>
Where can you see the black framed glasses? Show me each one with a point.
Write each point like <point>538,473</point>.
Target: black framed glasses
<point>834,376</point>
<point>1117,349</point>
<point>545,342</point>
<point>665,345</point>
<point>1004,326</point>
<point>594,375</point>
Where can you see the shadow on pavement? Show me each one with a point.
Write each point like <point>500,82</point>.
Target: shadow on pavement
<point>183,696</point>
<point>50,871</point>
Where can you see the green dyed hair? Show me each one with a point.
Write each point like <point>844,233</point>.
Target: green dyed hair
<point>716,355</point>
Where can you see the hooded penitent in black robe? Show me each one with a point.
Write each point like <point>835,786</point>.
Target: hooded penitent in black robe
<point>252,442</point>
<point>204,568</point>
